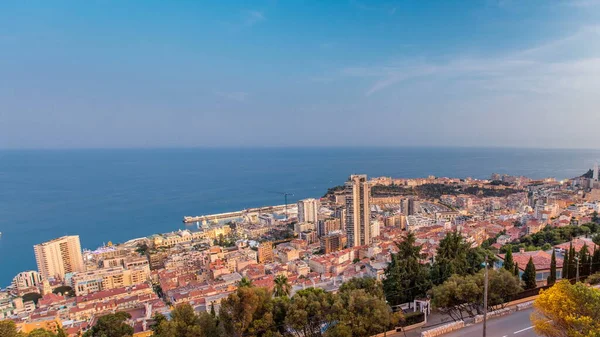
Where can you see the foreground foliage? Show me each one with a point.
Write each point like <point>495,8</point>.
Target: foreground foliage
<point>9,329</point>
<point>567,310</point>
<point>358,309</point>
<point>462,296</point>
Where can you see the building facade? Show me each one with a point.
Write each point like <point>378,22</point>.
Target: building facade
<point>308,210</point>
<point>358,212</point>
<point>265,252</point>
<point>58,257</point>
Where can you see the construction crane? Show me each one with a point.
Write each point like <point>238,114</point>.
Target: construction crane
<point>285,196</point>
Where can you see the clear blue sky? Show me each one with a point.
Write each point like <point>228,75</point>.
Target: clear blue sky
<point>299,73</point>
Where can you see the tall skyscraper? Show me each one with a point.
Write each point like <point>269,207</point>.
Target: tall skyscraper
<point>358,212</point>
<point>308,210</point>
<point>58,257</point>
<point>595,175</point>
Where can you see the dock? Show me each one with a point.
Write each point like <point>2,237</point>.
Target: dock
<point>250,212</point>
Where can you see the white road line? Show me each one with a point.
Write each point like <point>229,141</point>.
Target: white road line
<point>516,332</point>
<point>505,336</point>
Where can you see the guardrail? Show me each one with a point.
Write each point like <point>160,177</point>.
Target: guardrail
<point>443,329</point>
<point>525,305</point>
<point>497,313</point>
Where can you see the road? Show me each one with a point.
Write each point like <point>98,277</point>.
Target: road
<point>516,324</point>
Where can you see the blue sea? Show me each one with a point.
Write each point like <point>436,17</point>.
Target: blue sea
<point>117,195</point>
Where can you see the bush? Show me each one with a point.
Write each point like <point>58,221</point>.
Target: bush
<point>413,318</point>
<point>593,279</point>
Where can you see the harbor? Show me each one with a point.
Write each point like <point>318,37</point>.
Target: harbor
<point>250,214</point>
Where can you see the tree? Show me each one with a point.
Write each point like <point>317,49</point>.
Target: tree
<point>111,325</point>
<point>565,266</point>
<point>451,258</point>
<point>64,290</point>
<point>406,278</point>
<point>280,309</point>
<point>41,333</point>
<point>245,282</point>
<point>60,332</point>
<point>595,217</point>
<point>552,276</point>
<point>567,310</point>
<point>584,261</point>
<point>368,284</point>
<point>595,260</point>
<point>158,326</point>
<point>364,314</point>
<point>503,285</point>
<point>185,322</point>
<point>461,295</point>
<point>593,279</point>
<point>310,310</point>
<point>572,265</point>
<point>282,286</point>
<point>8,329</point>
<point>213,313</point>
<point>509,264</point>
<point>246,312</point>
<point>35,297</point>
<point>529,275</point>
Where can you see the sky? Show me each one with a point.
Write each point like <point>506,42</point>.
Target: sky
<point>122,74</point>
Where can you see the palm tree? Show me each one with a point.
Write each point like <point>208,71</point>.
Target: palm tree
<point>245,282</point>
<point>282,286</point>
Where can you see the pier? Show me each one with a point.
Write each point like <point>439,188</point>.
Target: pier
<point>250,213</point>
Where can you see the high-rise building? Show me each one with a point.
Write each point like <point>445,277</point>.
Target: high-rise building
<point>595,174</point>
<point>265,252</point>
<point>413,206</point>
<point>58,257</point>
<point>358,212</point>
<point>332,242</point>
<point>25,281</point>
<point>308,210</point>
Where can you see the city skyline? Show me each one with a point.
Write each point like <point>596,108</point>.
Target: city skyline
<point>110,75</point>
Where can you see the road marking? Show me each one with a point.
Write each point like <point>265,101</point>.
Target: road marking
<point>505,336</point>
<point>516,332</point>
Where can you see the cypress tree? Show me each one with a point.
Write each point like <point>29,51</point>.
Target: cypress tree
<point>584,260</point>
<point>565,267</point>
<point>516,271</point>
<point>529,275</point>
<point>552,276</point>
<point>572,265</point>
<point>595,260</point>
<point>509,264</point>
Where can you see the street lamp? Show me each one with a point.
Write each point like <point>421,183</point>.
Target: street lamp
<point>485,296</point>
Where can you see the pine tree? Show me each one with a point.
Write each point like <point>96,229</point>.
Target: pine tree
<point>565,267</point>
<point>529,275</point>
<point>509,264</point>
<point>516,271</point>
<point>552,277</point>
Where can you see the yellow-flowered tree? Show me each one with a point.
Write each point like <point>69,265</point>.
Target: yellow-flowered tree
<point>567,310</point>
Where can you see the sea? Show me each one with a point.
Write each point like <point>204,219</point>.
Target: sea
<point>116,195</point>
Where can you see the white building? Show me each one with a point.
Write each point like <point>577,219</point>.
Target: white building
<point>308,210</point>
<point>58,257</point>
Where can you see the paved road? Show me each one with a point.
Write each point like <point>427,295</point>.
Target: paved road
<point>516,324</point>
